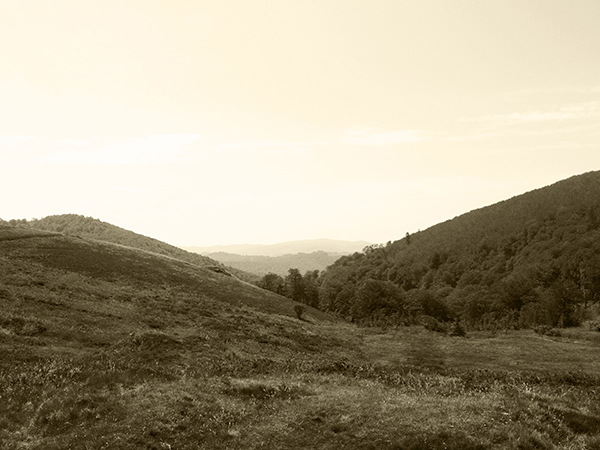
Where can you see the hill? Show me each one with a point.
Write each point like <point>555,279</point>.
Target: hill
<point>261,265</point>
<point>108,346</point>
<point>88,227</point>
<point>285,248</point>
<point>527,261</point>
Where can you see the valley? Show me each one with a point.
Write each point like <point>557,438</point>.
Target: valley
<point>109,339</point>
<point>103,346</point>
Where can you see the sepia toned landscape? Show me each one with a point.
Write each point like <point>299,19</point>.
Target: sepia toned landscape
<point>299,224</point>
<point>480,332</point>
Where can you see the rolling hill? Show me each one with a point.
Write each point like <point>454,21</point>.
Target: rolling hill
<point>103,345</point>
<point>90,228</point>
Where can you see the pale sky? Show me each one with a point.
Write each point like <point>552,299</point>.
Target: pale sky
<point>228,122</point>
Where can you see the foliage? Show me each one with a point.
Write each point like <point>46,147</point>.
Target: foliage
<point>299,309</point>
<point>431,324</point>
<point>547,330</point>
<point>457,329</point>
<point>528,261</point>
<point>272,282</point>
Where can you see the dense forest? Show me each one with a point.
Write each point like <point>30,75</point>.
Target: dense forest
<point>533,260</point>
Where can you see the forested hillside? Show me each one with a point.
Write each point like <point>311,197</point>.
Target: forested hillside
<point>531,260</point>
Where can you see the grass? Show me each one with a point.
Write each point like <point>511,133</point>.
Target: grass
<point>96,357</point>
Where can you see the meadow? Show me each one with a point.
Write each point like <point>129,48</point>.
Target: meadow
<point>134,351</point>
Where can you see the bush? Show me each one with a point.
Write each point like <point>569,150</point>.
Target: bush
<point>457,329</point>
<point>431,324</point>
<point>299,309</point>
<point>546,330</point>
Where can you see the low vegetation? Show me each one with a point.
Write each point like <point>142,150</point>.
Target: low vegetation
<point>479,333</point>
<point>103,346</point>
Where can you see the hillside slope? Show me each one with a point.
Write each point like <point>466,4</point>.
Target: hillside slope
<point>88,227</point>
<point>55,256</point>
<point>530,260</point>
<point>105,346</point>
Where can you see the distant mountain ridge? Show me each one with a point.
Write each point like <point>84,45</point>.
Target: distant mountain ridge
<point>280,265</point>
<point>284,248</point>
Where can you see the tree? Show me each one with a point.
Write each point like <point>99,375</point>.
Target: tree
<point>311,288</point>
<point>273,282</point>
<point>377,298</point>
<point>294,285</point>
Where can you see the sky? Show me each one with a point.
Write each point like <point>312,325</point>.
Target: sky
<point>261,121</point>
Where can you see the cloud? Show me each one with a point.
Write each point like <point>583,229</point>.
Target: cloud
<point>273,147</point>
<point>131,190</point>
<point>376,136</point>
<point>12,142</point>
<point>154,149</point>
<point>584,110</point>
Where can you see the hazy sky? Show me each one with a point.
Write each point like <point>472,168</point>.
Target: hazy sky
<point>220,122</point>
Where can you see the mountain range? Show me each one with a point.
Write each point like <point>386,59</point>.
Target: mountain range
<point>285,248</point>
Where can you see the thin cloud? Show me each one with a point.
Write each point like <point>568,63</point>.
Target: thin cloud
<point>270,146</point>
<point>131,190</point>
<point>154,149</point>
<point>585,110</point>
<point>376,136</point>
<point>12,142</point>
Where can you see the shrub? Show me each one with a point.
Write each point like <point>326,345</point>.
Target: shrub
<point>299,309</point>
<point>457,329</point>
<point>431,324</point>
<point>546,330</point>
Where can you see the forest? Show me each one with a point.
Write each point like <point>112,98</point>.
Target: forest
<point>530,261</point>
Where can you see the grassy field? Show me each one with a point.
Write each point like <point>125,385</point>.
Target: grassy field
<point>103,347</point>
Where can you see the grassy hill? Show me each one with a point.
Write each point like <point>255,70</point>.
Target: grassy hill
<point>528,261</point>
<point>107,346</point>
<point>88,227</point>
